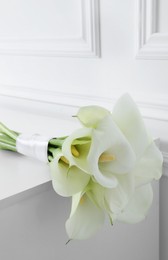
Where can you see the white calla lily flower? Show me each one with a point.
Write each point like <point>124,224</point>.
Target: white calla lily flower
<point>89,207</point>
<point>90,116</point>
<point>66,180</point>
<point>81,138</point>
<point>129,120</point>
<point>117,199</point>
<point>122,160</point>
<point>85,219</point>
<point>105,155</point>
<point>149,167</point>
<point>138,205</point>
<point>108,140</point>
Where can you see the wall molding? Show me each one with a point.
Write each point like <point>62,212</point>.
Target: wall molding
<point>155,108</point>
<point>150,43</point>
<point>86,45</point>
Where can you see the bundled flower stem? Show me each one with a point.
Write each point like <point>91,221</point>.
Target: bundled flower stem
<point>8,141</point>
<point>106,166</point>
<point>7,138</point>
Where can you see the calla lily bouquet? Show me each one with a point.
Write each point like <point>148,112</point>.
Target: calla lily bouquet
<point>106,166</point>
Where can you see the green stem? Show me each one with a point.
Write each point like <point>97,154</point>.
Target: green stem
<point>4,146</point>
<point>7,140</point>
<point>8,132</point>
<point>58,142</point>
<point>53,151</point>
<point>50,158</point>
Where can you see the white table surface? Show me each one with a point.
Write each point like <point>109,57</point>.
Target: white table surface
<point>19,173</point>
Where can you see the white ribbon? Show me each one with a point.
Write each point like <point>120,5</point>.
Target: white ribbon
<point>35,146</point>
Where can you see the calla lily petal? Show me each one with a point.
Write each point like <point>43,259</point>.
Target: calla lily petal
<point>96,194</point>
<point>83,148</point>
<point>149,167</point>
<point>108,138</point>
<point>86,219</point>
<point>112,200</point>
<point>67,180</point>
<point>90,116</point>
<point>117,198</point>
<point>127,116</point>
<point>138,205</point>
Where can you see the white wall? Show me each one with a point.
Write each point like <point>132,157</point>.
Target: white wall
<point>58,55</point>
